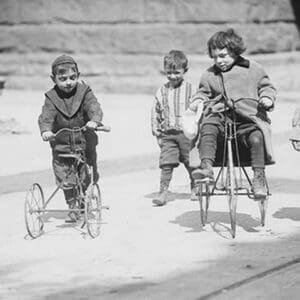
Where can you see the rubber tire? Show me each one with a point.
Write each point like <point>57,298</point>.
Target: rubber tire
<point>34,201</point>
<point>203,202</point>
<point>93,210</point>
<point>263,204</point>
<point>231,191</point>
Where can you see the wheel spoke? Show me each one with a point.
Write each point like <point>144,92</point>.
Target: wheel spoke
<point>93,210</point>
<point>32,210</point>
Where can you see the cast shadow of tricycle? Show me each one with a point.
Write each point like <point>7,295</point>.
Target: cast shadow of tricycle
<point>218,221</point>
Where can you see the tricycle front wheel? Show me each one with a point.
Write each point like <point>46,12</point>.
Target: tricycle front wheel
<point>93,210</point>
<point>33,210</point>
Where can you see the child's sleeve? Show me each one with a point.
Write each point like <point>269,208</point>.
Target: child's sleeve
<point>202,94</point>
<point>47,117</point>
<point>199,101</point>
<point>156,116</point>
<point>93,107</point>
<point>264,86</point>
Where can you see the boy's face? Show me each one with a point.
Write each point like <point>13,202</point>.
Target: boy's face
<point>66,81</point>
<point>175,76</point>
<point>223,59</point>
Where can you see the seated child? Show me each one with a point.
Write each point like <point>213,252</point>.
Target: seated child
<point>230,78</point>
<point>69,104</point>
<point>170,102</point>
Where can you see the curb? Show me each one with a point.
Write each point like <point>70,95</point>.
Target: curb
<point>21,182</point>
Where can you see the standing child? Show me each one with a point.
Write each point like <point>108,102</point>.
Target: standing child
<point>69,104</point>
<point>171,101</point>
<point>230,78</point>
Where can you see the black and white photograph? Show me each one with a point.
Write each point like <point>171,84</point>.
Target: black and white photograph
<point>149,149</point>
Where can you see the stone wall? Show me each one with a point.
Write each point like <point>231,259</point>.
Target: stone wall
<point>119,44</point>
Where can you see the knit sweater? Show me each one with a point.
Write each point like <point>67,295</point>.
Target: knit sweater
<point>169,106</point>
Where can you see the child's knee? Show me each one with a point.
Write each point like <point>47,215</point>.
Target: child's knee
<point>256,138</point>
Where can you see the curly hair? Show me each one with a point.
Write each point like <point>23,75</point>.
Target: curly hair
<point>175,59</point>
<point>226,39</point>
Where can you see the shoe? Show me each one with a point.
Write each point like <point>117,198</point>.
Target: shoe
<point>73,215</point>
<point>206,170</point>
<point>259,184</point>
<point>161,200</point>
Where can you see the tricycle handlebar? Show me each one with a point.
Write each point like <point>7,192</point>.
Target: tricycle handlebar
<point>83,128</point>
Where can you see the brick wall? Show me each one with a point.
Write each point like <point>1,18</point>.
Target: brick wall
<point>119,44</point>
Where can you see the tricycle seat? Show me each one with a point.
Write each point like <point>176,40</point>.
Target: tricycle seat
<point>75,156</point>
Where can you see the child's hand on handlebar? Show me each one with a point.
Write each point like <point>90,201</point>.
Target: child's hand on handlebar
<point>48,135</point>
<point>266,103</point>
<point>91,125</point>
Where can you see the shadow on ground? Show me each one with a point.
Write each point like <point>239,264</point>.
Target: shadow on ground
<point>22,182</point>
<point>171,196</point>
<point>292,213</point>
<point>241,262</point>
<point>219,221</point>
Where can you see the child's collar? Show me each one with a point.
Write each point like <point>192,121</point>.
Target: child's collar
<point>167,85</point>
<point>55,98</point>
<point>63,94</point>
<point>240,61</point>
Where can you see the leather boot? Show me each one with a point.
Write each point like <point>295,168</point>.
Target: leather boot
<point>205,171</point>
<point>73,215</point>
<point>259,183</point>
<point>162,197</point>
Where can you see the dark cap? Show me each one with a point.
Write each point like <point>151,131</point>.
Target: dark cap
<point>63,59</point>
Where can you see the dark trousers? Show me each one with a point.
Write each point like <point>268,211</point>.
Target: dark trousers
<point>248,134</point>
<point>65,172</point>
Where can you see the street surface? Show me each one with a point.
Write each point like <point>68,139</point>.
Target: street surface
<point>147,252</point>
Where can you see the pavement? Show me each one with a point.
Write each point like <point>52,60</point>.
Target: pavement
<point>128,116</point>
<point>144,252</point>
<point>147,252</point>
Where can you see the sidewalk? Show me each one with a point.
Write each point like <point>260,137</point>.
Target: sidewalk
<point>127,115</point>
<point>134,256</point>
<point>148,252</point>
<point>130,137</point>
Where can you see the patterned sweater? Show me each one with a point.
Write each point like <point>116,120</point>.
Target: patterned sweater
<point>169,106</point>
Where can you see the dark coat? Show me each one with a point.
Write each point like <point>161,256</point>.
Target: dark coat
<point>56,115</point>
<point>246,79</point>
